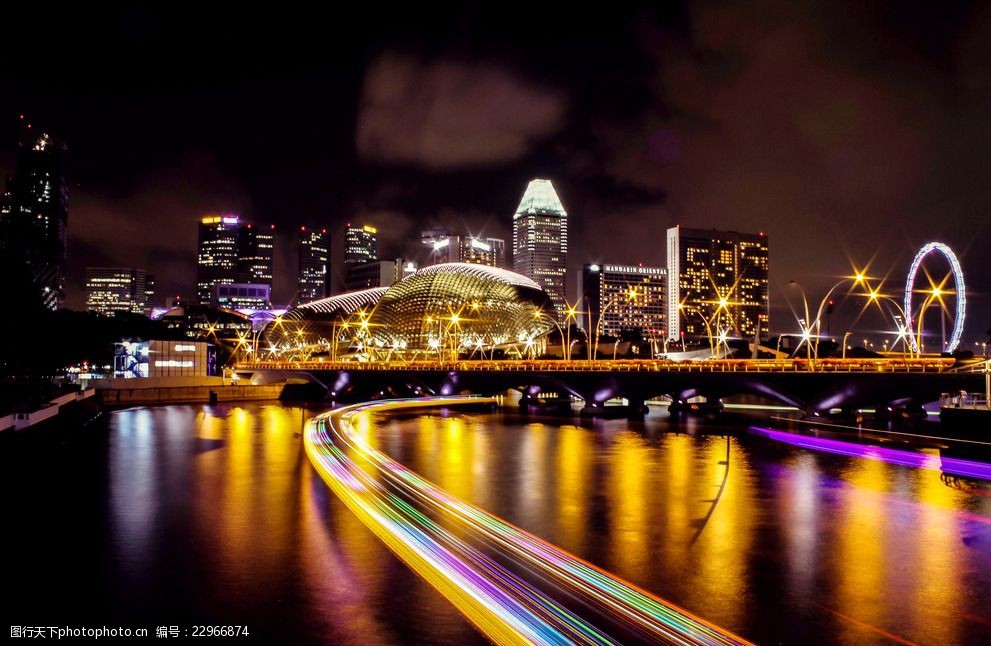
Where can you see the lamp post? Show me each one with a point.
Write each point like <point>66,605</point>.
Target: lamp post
<point>815,324</point>
<point>570,314</point>
<point>538,314</point>
<point>904,329</point>
<point>708,328</point>
<point>934,293</point>
<point>631,294</point>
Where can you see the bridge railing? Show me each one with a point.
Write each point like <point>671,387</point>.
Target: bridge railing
<point>885,365</point>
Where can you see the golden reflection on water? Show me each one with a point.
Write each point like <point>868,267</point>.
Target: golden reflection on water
<point>682,515</point>
<point>935,561</point>
<point>574,474</point>
<point>862,565</point>
<point>629,542</point>
<point>724,517</point>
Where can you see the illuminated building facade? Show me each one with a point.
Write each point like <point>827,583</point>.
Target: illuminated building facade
<point>379,273</point>
<point>118,289</point>
<point>313,280</point>
<point>706,267</point>
<point>447,246</point>
<point>360,244</point>
<point>35,213</point>
<point>230,251</point>
<point>216,257</point>
<point>454,307</point>
<point>540,240</point>
<point>165,358</point>
<point>626,299</point>
<point>255,250</point>
<point>246,296</point>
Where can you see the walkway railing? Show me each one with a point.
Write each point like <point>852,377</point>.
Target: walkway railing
<point>886,365</point>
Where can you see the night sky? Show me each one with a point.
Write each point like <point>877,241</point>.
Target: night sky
<point>847,133</point>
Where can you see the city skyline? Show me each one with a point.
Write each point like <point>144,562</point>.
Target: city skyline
<point>850,166</point>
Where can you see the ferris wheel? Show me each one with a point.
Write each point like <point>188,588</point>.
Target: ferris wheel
<point>958,286</point>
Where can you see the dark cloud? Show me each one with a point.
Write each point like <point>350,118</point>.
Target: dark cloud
<point>153,226</point>
<point>846,131</point>
<point>451,114</point>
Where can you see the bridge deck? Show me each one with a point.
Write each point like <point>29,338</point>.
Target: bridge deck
<point>900,364</point>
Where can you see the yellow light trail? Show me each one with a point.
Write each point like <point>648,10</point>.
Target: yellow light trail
<point>403,510</point>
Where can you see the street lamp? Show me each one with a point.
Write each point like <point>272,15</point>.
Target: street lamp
<point>815,324</point>
<point>538,314</point>
<point>935,293</point>
<point>570,314</point>
<point>708,328</point>
<point>630,294</point>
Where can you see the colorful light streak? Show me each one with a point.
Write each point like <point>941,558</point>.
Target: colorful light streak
<point>404,510</point>
<point>953,466</point>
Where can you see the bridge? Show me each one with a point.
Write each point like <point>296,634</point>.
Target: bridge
<point>815,386</point>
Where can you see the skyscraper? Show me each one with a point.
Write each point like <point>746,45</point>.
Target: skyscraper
<point>717,278</point>
<point>313,280</point>
<point>117,289</point>
<point>378,273</point>
<point>360,244</point>
<point>540,240</point>
<point>35,213</point>
<point>217,254</point>
<point>626,298</point>
<point>447,246</point>
<point>255,248</point>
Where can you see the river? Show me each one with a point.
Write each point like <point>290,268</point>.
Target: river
<point>184,516</point>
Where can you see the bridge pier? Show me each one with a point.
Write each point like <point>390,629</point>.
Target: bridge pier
<point>636,409</point>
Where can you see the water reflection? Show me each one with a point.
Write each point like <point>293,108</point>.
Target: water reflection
<point>217,514</point>
<point>214,514</point>
<point>778,544</point>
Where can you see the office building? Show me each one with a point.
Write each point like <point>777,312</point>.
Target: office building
<point>231,251</point>
<point>360,244</point>
<point>34,214</point>
<point>445,245</point>
<point>243,296</point>
<point>625,300</point>
<point>717,280</point>
<point>540,240</point>
<point>378,273</point>
<point>110,290</point>
<point>216,260</point>
<point>255,250</point>
<point>313,280</point>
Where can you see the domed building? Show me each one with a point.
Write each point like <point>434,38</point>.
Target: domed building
<point>449,309</point>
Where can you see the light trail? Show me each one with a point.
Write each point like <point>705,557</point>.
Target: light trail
<point>405,511</point>
<point>953,466</point>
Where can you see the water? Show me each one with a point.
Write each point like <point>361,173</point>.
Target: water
<point>199,515</point>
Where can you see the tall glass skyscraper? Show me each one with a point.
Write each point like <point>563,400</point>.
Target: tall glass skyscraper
<point>540,240</point>
<point>313,280</point>
<point>255,248</point>
<point>717,278</point>
<point>447,246</point>
<point>360,244</point>
<point>217,254</point>
<point>229,252</point>
<point>35,213</point>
